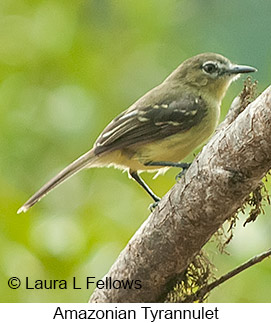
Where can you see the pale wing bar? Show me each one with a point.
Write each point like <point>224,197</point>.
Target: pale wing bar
<point>151,123</point>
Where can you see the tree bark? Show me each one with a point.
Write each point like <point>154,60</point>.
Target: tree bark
<point>229,167</point>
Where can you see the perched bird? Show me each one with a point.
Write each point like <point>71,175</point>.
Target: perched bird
<point>162,127</point>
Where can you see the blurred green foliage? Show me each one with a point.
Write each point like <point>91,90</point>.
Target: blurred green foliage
<point>66,69</point>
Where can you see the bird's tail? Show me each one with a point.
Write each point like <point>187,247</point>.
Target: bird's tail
<point>86,160</point>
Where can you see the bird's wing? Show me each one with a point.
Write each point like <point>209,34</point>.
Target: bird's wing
<point>142,124</point>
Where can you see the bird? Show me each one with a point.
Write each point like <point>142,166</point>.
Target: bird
<point>162,127</point>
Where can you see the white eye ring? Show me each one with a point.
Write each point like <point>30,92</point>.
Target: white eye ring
<point>210,67</point>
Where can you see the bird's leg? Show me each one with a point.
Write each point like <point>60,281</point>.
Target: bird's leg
<point>139,180</point>
<point>184,166</point>
<point>168,164</point>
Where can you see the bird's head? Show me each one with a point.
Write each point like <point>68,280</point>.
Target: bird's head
<point>209,73</point>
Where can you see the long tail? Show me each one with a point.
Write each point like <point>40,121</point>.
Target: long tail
<point>84,161</point>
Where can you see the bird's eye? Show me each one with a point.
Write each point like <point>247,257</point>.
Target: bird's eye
<point>209,68</point>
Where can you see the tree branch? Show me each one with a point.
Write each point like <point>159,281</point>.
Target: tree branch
<point>229,167</point>
<point>201,293</point>
<point>237,270</point>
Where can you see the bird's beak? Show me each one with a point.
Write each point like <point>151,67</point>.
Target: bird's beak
<point>241,69</point>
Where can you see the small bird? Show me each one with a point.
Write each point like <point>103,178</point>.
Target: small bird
<point>163,126</point>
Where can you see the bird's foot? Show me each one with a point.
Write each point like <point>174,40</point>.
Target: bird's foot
<point>153,205</point>
<point>185,167</point>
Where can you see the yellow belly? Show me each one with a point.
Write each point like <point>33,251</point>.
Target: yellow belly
<point>175,148</point>
<point>172,149</point>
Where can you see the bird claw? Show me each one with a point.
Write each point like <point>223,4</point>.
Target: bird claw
<point>182,173</point>
<point>153,205</point>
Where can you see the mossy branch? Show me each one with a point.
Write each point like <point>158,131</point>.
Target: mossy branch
<point>216,185</point>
